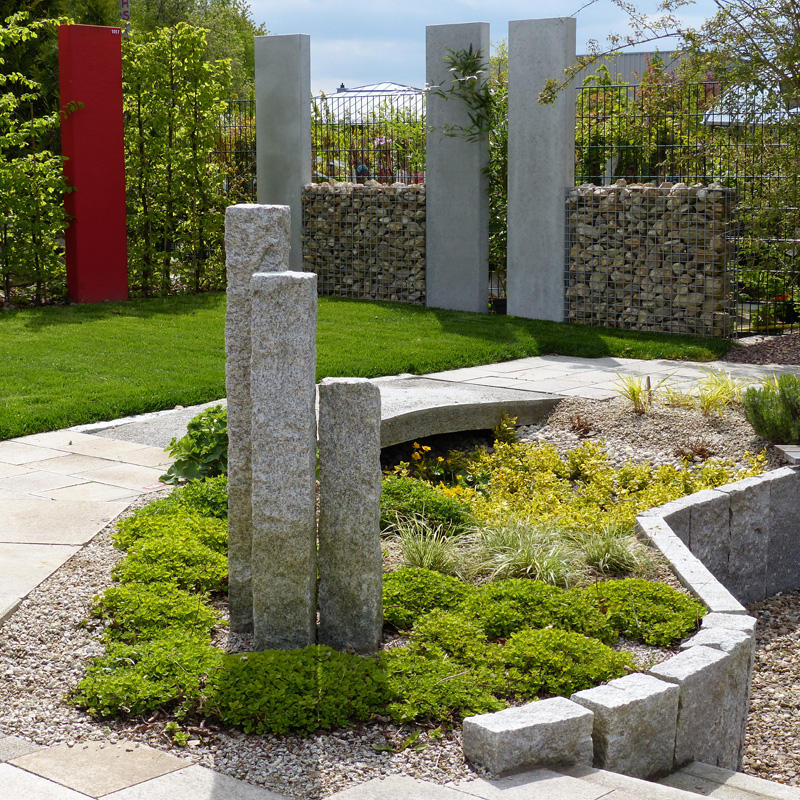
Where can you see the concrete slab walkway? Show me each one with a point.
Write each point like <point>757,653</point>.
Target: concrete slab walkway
<point>59,489</point>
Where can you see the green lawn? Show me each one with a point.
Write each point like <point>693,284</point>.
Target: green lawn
<point>78,364</point>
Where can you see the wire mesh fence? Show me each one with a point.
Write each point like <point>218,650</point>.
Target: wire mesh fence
<point>236,149</point>
<point>371,133</point>
<point>664,131</point>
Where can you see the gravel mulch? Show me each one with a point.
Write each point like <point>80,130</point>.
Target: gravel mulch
<point>767,350</point>
<point>44,646</point>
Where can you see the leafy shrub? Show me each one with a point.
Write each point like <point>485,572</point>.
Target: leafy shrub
<point>410,592</point>
<point>143,611</point>
<point>278,691</point>
<point>652,612</point>
<point>406,497</point>
<point>148,675</point>
<point>508,606</point>
<point>774,409</point>
<point>557,662</point>
<point>185,561</point>
<point>450,633</point>
<point>203,451</point>
<point>437,688</point>
<point>206,498</point>
<point>172,525</point>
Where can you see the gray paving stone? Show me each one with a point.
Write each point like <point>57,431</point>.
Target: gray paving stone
<point>349,559</point>
<point>713,701</point>
<point>738,780</point>
<point>91,491</point>
<point>628,712</point>
<point>8,605</point>
<point>393,787</point>
<point>540,734</point>
<point>542,784</point>
<point>24,566</point>
<point>633,788</point>
<point>749,538</point>
<point>709,538</point>
<point>783,558</point>
<point>14,746</point>
<point>194,783</point>
<point>17,784</point>
<point>30,521</point>
<point>98,768</point>
<point>20,453</point>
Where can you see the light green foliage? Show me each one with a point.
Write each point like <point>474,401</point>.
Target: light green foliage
<point>652,612</point>
<point>32,216</point>
<point>557,662</point>
<point>409,593</point>
<point>173,98</point>
<point>164,672</point>
<point>203,451</point>
<point>508,606</point>
<point>773,409</point>
<point>455,634</point>
<point>207,498</point>
<point>278,691</point>
<point>143,611</point>
<point>405,497</point>
<point>171,523</point>
<point>638,389</point>
<point>719,390</point>
<point>506,430</point>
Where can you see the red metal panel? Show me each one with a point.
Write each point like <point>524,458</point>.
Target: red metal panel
<point>90,67</point>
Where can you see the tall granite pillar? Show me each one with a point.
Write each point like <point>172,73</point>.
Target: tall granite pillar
<point>283,126</point>
<point>457,223</point>
<point>283,458</point>
<point>256,240</point>
<point>350,560</point>
<point>541,166</point>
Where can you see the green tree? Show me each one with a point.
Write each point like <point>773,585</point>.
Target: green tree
<point>32,217</point>
<point>173,99</point>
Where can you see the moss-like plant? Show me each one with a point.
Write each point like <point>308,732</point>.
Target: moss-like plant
<point>207,498</point>
<point>651,612</point>
<point>409,593</point>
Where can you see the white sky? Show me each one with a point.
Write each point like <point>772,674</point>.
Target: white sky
<point>359,42</point>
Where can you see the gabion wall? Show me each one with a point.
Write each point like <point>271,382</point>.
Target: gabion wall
<point>646,257</point>
<point>366,240</point>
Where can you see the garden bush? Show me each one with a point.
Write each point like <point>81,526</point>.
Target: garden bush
<point>137,612</point>
<point>277,691</point>
<point>774,409</point>
<point>406,497</point>
<point>206,498</point>
<point>203,451</point>
<point>651,612</point>
<point>408,593</point>
<point>557,662</point>
<point>172,524</point>
<point>505,607</point>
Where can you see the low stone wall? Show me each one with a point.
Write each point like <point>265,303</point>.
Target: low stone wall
<point>693,706</point>
<point>646,257</point>
<point>366,240</point>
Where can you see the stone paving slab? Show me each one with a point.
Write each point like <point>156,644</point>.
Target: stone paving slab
<point>24,566</point>
<point>541,784</point>
<point>38,481</point>
<point>17,784</point>
<point>40,521</point>
<point>97,768</point>
<point>126,476</point>
<point>735,781</point>
<point>14,747</point>
<point>194,783</point>
<point>19,453</point>
<point>8,605</point>
<point>396,787</point>
<point>92,491</point>
<point>12,470</point>
<point>73,463</point>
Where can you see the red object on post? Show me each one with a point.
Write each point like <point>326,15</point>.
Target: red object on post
<point>90,73</point>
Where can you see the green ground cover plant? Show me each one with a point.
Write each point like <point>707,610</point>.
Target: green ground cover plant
<point>77,364</point>
<point>473,647</point>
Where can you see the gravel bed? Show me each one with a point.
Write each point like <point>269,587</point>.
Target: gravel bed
<point>783,349</point>
<point>44,646</point>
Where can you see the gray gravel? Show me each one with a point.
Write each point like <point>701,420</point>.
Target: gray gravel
<point>45,644</point>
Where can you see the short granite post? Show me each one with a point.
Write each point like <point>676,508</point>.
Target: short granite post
<point>350,561</point>
<point>282,387</point>
<point>256,240</point>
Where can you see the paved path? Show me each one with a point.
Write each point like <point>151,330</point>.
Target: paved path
<point>59,489</point>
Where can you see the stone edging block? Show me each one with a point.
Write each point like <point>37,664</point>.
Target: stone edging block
<point>546,732</point>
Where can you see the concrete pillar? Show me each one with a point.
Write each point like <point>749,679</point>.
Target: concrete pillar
<point>457,248</point>
<point>350,559</point>
<point>541,159</point>
<point>282,387</point>
<point>283,127</point>
<point>256,240</point>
